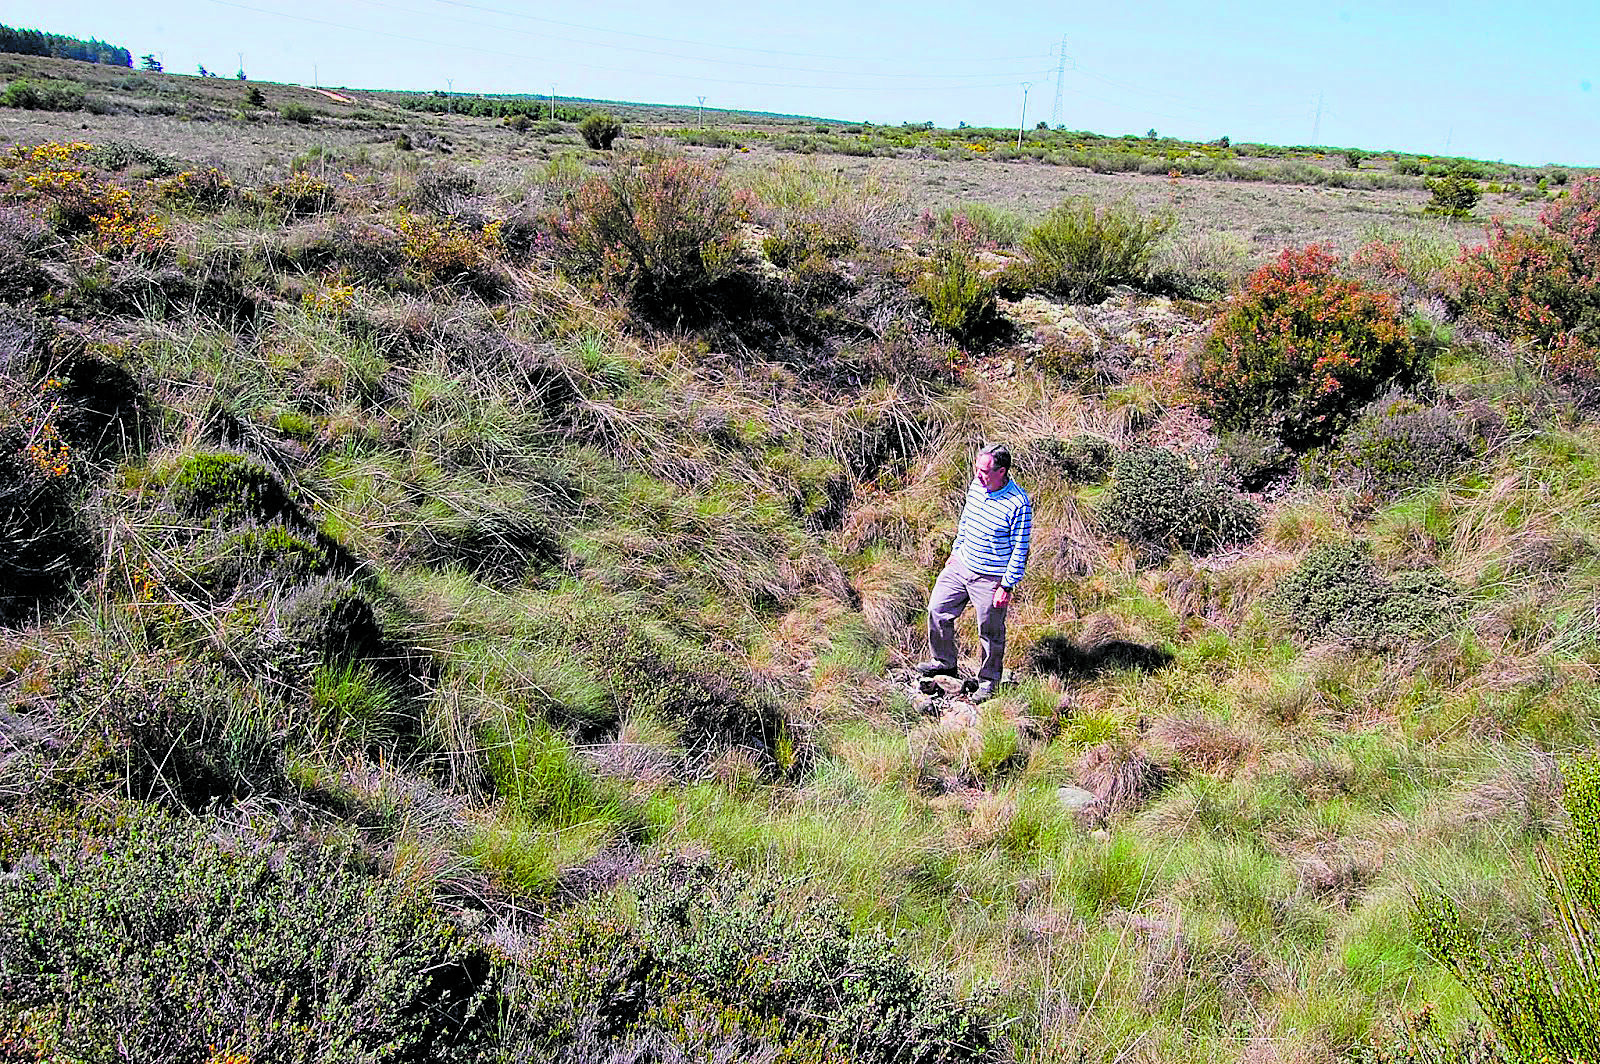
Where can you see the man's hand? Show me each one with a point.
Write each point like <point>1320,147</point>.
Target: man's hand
<point>1002,598</point>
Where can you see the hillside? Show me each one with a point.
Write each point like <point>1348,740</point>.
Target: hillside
<point>457,589</point>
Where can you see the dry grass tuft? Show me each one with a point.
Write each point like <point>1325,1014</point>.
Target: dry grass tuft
<point>1202,744</point>
<point>1123,777</point>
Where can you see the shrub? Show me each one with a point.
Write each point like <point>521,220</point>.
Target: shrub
<point>1543,287</point>
<point>46,546</point>
<point>801,965</point>
<point>256,555</point>
<point>1161,501</point>
<point>155,728</point>
<point>1079,460</point>
<point>333,621</point>
<point>1079,251</point>
<point>599,130</point>
<point>298,196</point>
<point>1301,350</point>
<point>293,111</point>
<point>1539,992</point>
<point>159,944</point>
<point>660,231</point>
<point>959,298</point>
<point>1354,157</point>
<point>229,489</point>
<point>1408,166</point>
<point>46,95</point>
<point>1454,194</point>
<point>1405,448</point>
<point>1337,591</point>
<point>1205,267</point>
<point>254,97</point>
<point>205,189</point>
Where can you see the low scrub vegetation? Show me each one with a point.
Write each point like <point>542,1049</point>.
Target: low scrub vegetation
<point>461,612</point>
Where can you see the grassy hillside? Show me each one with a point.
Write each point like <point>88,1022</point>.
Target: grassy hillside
<point>455,588</point>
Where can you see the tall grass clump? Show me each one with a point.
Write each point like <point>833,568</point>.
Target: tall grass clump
<point>659,232</point>
<point>1300,350</point>
<point>1080,249</point>
<point>959,298</point>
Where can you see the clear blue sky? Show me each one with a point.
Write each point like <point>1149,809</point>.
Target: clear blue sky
<point>1495,80</point>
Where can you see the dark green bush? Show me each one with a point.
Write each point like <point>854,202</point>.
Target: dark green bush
<point>159,944</point>
<point>1079,460</point>
<point>959,298</point>
<point>1400,449</point>
<point>257,555</point>
<point>599,130</point>
<point>1454,194</point>
<point>1541,993</point>
<point>293,111</point>
<point>1301,350</point>
<point>1338,592</point>
<point>1161,501</point>
<point>801,965</point>
<point>46,95</point>
<point>1079,251</point>
<point>121,154</point>
<point>230,489</point>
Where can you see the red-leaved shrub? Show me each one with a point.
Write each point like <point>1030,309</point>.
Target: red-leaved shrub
<point>1542,287</point>
<point>1300,350</point>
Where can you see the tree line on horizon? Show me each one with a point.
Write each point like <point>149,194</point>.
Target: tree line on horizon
<point>59,46</point>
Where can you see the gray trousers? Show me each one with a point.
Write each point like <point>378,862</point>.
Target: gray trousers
<point>956,586</point>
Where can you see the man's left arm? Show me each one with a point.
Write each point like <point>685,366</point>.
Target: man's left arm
<point>1020,536</point>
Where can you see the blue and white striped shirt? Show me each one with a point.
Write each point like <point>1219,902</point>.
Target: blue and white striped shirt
<point>992,538</point>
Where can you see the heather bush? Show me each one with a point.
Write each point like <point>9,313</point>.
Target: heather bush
<point>599,130</point>
<point>1541,992</point>
<point>297,196</point>
<point>229,488</point>
<point>1543,287</point>
<point>801,965</point>
<point>661,232</point>
<point>152,726</point>
<point>1078,460</point>
<point>46,545</point>
<point>1300,350</point>
<point>1161,501</point>
<point>332,620</point>
<point>157,943</point>
<point>959,298</point>
<point>1405,447</point>
<point>1338,592</point>
<point>1080,250</point>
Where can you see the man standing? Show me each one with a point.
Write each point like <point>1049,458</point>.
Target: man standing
<point>986,562</point>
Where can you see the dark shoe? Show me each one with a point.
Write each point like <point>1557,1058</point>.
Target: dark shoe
<point>982,693</point>
<point>933,668</point>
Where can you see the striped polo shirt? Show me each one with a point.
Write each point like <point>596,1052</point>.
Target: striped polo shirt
<point>992,538</point>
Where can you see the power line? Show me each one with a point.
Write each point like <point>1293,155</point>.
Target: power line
<point>707,44</point>
<point>523,57</point>
<point>1061,70</point>
<point>545,36</point>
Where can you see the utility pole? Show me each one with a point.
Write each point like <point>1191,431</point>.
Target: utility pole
<point>1023,120</point>
<point>1316,123</point>
<point>702,113</point>
<point>552,101</point>
<point>1061,70</point>
<point>450,86</point>
<point>315,80</point>
<point>241,66</point>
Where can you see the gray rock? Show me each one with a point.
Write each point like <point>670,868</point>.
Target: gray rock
<point>923,703</point>
<point>1075,798</point>
<point>950,686</point>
